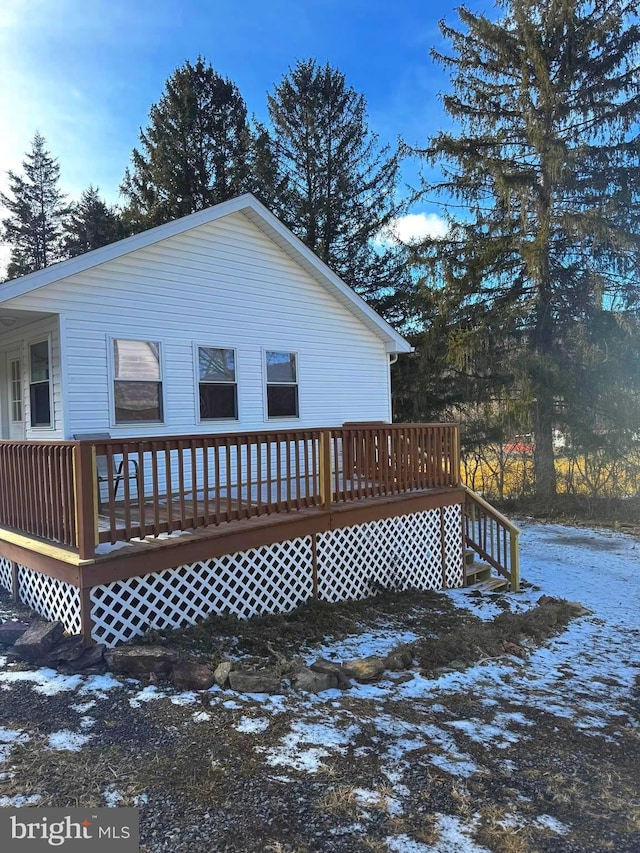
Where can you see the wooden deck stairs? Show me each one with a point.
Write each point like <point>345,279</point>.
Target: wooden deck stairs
<point>479,576</point>
<point>493,539</point>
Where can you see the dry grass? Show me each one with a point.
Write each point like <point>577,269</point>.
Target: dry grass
<point>512,474</point>
<point>70,779</point>
<point>422,828</point>
<point>340,800</point>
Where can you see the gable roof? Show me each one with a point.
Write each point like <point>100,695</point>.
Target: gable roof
<point>262,218</point>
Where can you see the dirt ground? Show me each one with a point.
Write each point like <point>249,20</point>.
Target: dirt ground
<point>427,760</point>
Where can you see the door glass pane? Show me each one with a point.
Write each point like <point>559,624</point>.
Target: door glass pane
<point>16,391</point>
<point>40,405</point>
<point>40,362</point>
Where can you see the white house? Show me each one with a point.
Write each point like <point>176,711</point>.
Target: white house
<point>220,321</point>
<point>234,398</point>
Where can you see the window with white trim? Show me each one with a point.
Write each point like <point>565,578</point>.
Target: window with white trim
<point>217,384</point>
<point>137,381</point>
<point>282,384</point>
<point>40,384</point>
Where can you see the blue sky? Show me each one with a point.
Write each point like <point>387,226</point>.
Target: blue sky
<point>86,73</point>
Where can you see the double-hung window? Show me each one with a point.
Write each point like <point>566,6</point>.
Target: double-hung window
<point>282,384</point>
<point>217,383</point>
<point>137,381</point>
<point>40,384</point>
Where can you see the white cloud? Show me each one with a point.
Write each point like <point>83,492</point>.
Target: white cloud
<point>414,226</point>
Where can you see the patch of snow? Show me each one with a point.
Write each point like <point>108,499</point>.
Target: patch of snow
<point>505,717</point>
<point>296,748</point>
<point>19,800</point>
<point>87,722</point>
<point>290,755</point>
<point>48,682</point>
<point>455,835</point>
<point>381,690</point>
<point>8,738</point>
<point>83,707</point>
<point>98,684</point>
<point>547,821</point>
<point>66,740</point>
<point>186,698</point>
<point>485,733</point>
<point>149,694</point>
<point>252,725</point>
<point>362,645</point>
<point>112,798</point>
<point>231,705</point>
<point>201,717</point>
<point>449,758</point>
<point>374,799</point>
<point>476,603</point>
<point>13,736</point>
<point>108,547</point>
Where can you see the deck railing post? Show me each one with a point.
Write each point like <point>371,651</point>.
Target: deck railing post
<point>514,561</point>
<point>457,455</point>
<point>86,494</point>
<point>324,464</point>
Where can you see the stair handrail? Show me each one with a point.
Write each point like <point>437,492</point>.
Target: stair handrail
<point>513,572</point>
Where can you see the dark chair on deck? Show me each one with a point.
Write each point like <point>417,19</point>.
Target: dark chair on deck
<point>109,474</point>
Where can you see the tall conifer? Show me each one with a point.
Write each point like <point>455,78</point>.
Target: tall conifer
<point>36,209</point>
<point>541,277</point>
<point>340,192</point>
<point>194,152</point>
<point>91,224</point>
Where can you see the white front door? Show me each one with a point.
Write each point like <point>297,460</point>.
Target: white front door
<point>15,395</point>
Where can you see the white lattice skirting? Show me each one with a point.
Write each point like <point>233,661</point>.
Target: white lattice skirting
<point>405,552</point>
<point>263,580</point>
<point>52,598</point>
<point>6,576</point>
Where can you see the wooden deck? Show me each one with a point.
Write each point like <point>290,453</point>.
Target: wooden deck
<point>253,522</point>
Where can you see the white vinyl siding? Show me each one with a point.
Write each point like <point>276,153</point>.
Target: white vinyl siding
<point>224,281</point>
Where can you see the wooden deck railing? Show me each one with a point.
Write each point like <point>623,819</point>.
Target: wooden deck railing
<point>187,482</point>
<point>37,489</point>
<point>393,459</point>
<point>493,537</point>
<point>70,492</point>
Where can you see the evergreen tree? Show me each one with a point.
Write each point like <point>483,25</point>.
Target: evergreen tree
<point>36,212</point>
<point>541,279</point>
<point>91,224</point>
<point>267,181</point>
<point>341,186</point>
<point>194,153</point>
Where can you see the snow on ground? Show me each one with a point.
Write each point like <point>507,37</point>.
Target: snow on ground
<point>582,676</point>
